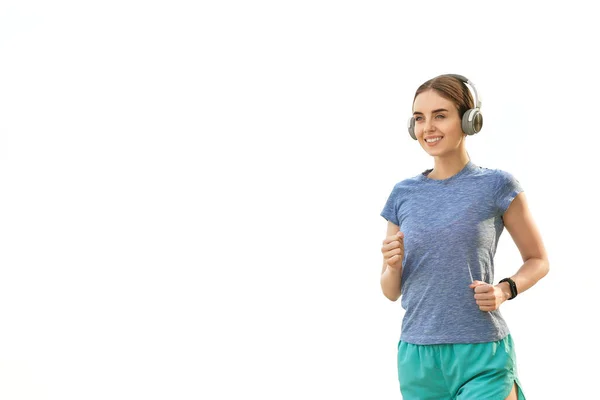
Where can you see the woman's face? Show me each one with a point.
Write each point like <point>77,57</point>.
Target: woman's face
<point>437,124</point>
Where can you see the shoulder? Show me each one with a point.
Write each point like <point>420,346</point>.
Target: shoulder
<point>493,172</point>
<point>502,184</point>
<point>504,178</point>
<point>408,183</point>
<point>496,175</point>
<point>403,189</point>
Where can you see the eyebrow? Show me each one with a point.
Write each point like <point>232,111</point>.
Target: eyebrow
<point>433,112</point>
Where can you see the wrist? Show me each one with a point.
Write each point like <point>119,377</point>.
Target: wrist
<point>505,287</point>
<point>512,287</point>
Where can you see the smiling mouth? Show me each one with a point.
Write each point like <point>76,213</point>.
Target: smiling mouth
<point>433,140</point>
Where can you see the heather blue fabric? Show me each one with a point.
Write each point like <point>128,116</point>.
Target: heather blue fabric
<point>451,227</point>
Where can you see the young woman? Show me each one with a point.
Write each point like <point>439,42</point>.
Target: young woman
<point>443,229</point>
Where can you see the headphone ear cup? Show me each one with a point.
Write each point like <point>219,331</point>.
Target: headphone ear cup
<point>411,128</point>
<point>472,121</point>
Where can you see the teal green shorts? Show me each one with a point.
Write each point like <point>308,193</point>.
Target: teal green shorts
<point>478,371</point>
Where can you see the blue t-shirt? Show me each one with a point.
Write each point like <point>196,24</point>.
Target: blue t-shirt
<point>451,231</point>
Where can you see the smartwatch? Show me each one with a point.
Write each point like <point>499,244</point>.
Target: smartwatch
<point>513,287</point>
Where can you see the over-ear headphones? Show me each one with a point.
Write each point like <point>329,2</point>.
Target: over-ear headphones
<point>472,120</point>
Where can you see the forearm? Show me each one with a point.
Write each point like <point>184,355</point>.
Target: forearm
<point>528,275</point>
<point>391,283</point>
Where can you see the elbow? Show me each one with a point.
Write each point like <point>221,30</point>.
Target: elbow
<point>542,266</point>
<point>392,296</point>
<point>545,267</point>
<point>391,286</point>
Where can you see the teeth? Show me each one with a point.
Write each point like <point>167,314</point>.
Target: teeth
<point>433,140</point>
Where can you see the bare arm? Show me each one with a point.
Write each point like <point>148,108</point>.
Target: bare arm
<point>391,272</point>
<point>523,230</point>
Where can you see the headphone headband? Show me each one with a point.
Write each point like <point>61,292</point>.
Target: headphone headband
<point>471,85</point>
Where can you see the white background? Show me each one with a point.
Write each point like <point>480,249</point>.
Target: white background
<point>190,191</point>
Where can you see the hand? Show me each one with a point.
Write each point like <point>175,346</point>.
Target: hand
<point>393,251</point>
<point>488,297</point>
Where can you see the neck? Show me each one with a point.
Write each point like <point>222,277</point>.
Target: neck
<point>445,167</point>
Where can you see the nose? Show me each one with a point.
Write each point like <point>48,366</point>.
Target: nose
<point>428,126</point>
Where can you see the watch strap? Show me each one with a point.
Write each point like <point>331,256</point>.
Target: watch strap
<point>513,287</point>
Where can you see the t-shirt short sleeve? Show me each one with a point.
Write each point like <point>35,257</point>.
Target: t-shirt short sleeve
<point>507,188</point>
<point>390,210</point>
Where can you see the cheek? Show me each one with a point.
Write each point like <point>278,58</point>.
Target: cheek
<point>454,128</point>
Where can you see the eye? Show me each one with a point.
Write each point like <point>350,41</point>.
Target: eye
<point>440,116</point>
<point>419,118</point>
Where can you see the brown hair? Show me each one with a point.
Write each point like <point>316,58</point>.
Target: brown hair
<point>451,88</point>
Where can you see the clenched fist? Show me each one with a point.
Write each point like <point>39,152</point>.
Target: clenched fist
<point>488,297</point>
<point>393,250</point>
